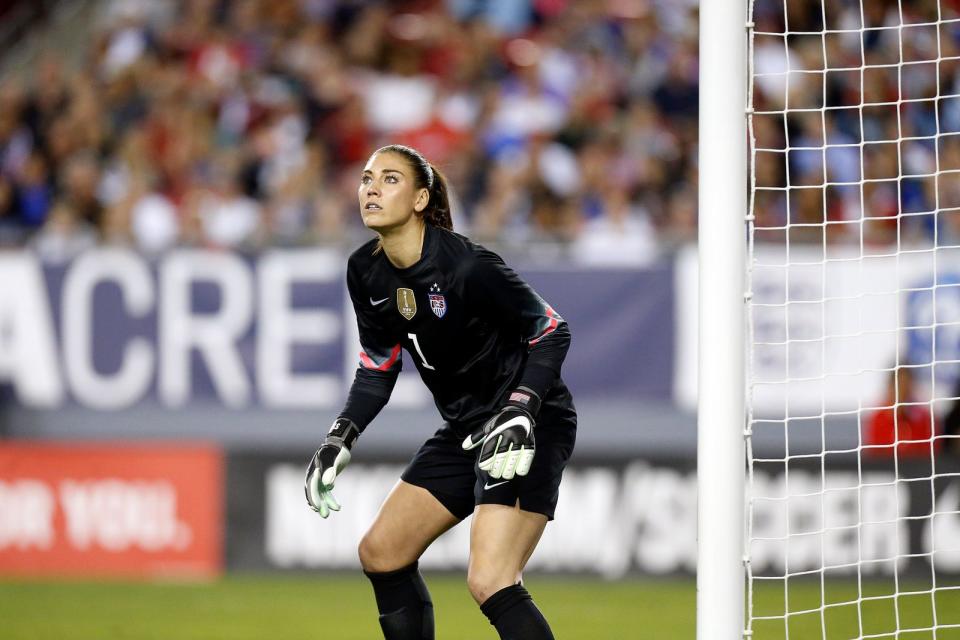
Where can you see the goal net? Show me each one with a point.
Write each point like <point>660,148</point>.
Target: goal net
<point>853,364</point>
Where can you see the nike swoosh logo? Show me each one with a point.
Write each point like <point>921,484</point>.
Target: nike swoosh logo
<point>491,486</point>
<point>376,302</point>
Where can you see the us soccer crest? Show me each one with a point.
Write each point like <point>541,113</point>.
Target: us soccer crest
<point>438,304</point>
<point>406,303</point>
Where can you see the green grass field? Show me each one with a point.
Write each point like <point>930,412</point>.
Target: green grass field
<point>342,608</point>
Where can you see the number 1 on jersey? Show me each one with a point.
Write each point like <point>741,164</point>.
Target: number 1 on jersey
<point>416,345</point>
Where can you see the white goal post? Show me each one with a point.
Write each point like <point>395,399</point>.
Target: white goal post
<point>722,254</point>
<point>829,320</point>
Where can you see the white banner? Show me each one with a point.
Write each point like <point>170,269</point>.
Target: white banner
<point>643,518</point>
<point>607,521</point>
<point>826,333</point>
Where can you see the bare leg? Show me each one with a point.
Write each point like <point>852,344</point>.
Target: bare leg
<point>501,542</point>
<point>408,522</point>
<point>502,539</point>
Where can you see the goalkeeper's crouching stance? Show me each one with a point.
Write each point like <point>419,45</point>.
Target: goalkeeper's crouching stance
<point>490,351</point>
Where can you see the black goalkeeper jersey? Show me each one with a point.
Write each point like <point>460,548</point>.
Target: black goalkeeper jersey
<point>473,328</point>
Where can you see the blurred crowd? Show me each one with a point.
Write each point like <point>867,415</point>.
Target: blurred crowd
<point>246,123</point>
<point>870,151</point>
<point>567,124</point>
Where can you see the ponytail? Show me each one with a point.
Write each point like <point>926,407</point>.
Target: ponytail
<point>437,211</point>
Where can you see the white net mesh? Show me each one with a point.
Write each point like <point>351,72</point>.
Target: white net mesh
<point>853,519</point>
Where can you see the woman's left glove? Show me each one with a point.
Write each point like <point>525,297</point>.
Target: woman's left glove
<point>327,463</point>
<point>507,438</point>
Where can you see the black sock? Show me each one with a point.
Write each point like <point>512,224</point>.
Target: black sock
<point>406,611</point>
<point>512,612</point>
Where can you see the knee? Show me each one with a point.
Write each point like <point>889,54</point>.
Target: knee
<point>375,555</point>
<point>484,582</point>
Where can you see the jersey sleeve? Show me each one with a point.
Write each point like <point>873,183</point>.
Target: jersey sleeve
<point>513,304</point>
<point>379,365</point>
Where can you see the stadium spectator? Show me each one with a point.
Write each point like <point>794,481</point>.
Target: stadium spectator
<point>10,229</point>
<point>621,235</point>
<point>34,192</point>
<point>222,215</point>
<point>951,422</point>
<point>904,423</point>
<point>65,235</point>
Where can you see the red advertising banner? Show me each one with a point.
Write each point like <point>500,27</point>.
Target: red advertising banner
<point>140,510</point>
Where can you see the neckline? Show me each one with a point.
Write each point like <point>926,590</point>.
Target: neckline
<point>428,233</point>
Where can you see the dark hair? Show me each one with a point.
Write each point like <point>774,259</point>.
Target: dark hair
<point>426,176</point>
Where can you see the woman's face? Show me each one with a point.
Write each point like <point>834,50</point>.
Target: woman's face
<point>388,197</point>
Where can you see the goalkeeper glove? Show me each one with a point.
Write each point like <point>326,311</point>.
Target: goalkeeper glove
<point>327,463</point>
<point>507,438</point>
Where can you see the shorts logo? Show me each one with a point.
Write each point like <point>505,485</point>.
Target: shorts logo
<point>438,304</point>
<point>406,303</point>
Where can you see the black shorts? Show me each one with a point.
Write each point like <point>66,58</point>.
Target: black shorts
<point>443,468</point>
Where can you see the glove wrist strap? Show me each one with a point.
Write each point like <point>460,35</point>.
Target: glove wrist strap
<point>526,399</point>
<point>344,432</point>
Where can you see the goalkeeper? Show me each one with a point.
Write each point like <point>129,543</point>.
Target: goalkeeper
<point>490,350</point>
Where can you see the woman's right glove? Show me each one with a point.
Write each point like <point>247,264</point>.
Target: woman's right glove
<point>327,463</point>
